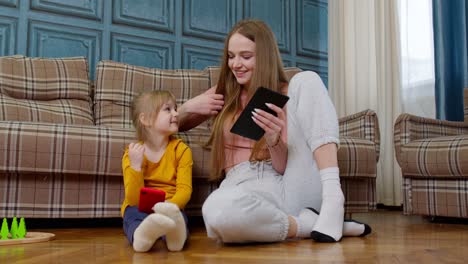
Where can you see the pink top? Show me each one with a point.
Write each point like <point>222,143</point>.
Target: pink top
<point>237,149</point>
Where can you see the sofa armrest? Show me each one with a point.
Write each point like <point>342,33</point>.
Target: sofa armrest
<point>364,124</point>
<point>410,127</point>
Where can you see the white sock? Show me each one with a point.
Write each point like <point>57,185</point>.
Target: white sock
<point>351,228</point>
<point>151,228</point>
<point>355,228</point>
<point>175,238</point>
<point>305,222</point>
<point>329,225</point>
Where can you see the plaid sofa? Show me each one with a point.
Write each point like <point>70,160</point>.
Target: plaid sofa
<point>62,137</point>
<point>433,156</point>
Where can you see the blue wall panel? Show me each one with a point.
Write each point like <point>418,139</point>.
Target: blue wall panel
<point>12,3</point>
<point>152,14</point>
<point>312,25</point>
<point>142,52</point>
<point>195,57</point>
<point>160,33</point>
<point>276,14</point>
<point>209,18</point>
<point>54,40</point>
<point>8,34</point>
<point>82,8</point>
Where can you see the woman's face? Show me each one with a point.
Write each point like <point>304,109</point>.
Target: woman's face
<point>241,58</point>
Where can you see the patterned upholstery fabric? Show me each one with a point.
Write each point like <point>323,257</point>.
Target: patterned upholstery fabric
<point>433,155</point>
<point>436,157</point>
<point>61,149</point>
<point>365,125</point>
<point>435,196</point>
<point>68,171</point>
<point>56,163</point>
<point>357,159</point>
<point>57,195</point>
<point>45,90</point>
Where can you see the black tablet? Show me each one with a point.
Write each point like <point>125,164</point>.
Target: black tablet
<point>245,126</point>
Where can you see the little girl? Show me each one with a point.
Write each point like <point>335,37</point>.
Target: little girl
<point>158,160</point>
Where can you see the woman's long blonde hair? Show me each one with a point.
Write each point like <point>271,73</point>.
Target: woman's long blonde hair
<point>268,73</point>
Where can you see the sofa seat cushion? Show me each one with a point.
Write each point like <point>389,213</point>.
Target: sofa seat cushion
<point>88,150</point>
<point>63,111</point>
<point>356,158</point>
<point>27,147</point>
<point>436,157</point>
<point>45,90</point>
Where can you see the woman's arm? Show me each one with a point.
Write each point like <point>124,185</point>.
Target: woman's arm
<point>279,155</point>
<point>198,109</point>
<point>275,135</point>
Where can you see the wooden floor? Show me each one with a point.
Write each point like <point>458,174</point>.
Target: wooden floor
<point>395,239</point>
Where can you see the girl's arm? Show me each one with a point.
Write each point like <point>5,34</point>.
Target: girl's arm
<point>184,176</point>
<point>133,181</point>
<point>198,109</point>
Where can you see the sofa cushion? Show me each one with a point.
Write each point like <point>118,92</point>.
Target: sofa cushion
<point>117,84</point>
<point>45,90</point>
<point>436,157</point>
<point>63,111</point>
<point>59,149</point>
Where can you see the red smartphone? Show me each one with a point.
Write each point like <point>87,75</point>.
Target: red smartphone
<point>148,198</point>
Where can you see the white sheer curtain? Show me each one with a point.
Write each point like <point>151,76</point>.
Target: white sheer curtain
<point>364,72</point>
<point>417,57</point>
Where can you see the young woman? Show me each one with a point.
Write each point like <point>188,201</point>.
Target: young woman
<point>157,161</point>
<point>268,185</point>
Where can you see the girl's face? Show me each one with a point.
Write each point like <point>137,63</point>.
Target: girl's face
<point>241,58</point>
<point>167,121</point>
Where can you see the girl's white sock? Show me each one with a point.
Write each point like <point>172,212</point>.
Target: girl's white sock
<point>175,238</point>
<point>151,228</point>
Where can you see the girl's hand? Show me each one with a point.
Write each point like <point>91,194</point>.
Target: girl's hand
<point>135,154</point>
<point>272,125</point>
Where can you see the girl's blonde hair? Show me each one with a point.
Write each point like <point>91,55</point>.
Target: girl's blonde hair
<point>148,103</point>
<point>268,73</point>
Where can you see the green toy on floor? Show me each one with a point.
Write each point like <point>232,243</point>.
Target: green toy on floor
<point>15,232</point>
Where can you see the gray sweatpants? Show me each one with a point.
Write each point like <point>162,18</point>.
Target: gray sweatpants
<point>254,201</point>
<point>248,206</point>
